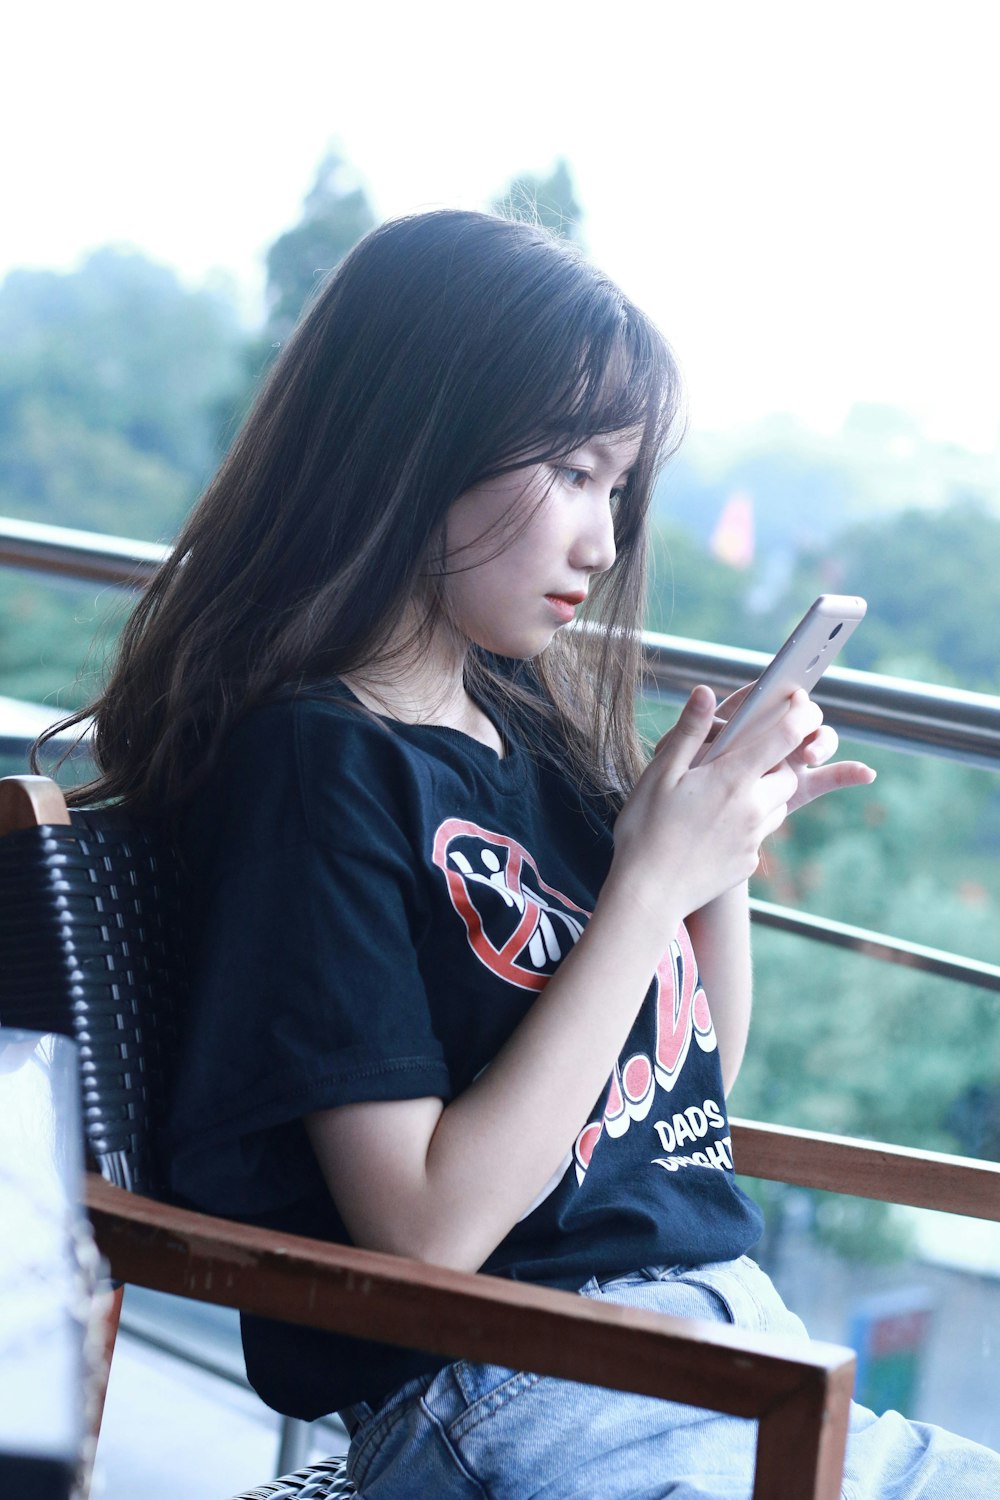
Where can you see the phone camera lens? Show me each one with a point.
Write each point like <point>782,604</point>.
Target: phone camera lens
<point>835,631</point>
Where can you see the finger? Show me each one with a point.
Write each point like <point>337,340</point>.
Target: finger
<point>685,739</point>
<point>732,701</point>
<point>778,740</point>
<point>841,775</point>
<point>779,785</point>
<point>817,748</point>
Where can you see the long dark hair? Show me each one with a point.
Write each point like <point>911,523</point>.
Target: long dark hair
<point>447,348</point>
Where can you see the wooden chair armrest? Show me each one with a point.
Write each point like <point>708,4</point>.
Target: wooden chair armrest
<point>29,802</point>
<point>800,1393</point>
<point>893,1174</point>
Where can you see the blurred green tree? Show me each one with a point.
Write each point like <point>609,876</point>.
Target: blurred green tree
<point>930,580</point>
<point>843,1043</point>
<point>55,635</point>
<point>108,376</point>
<point>336,214</point>
<point>108,379</point>
<point>692,593</point>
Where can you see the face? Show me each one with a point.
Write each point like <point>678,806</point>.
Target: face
<point>524,549</point>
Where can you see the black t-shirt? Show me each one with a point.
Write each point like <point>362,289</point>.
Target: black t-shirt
<point>378,907</point>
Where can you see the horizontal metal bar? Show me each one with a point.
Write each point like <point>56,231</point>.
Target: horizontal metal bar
<point>868,706</point>
<point>16,747</point>
<point>86,555</point>
<point>220,1364</point>
<point>877,945</point>
<point>152,1336</point>
<point>21,723</point>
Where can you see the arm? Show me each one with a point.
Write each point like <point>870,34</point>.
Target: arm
<point>446,1184</point>
<point>720,931</point>
<point>720,935</point>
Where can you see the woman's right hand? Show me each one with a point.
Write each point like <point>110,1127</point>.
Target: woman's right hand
<point>696,832</point>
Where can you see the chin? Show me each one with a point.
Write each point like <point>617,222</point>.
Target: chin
<point>515,649</point>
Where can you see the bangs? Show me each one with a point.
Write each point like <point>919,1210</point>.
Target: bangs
<point>625,382</point>
<point>621,378</point>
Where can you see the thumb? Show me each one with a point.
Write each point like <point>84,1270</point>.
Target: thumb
<point>689,733</point>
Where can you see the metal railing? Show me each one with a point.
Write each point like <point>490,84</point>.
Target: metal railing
<point>162,1324</point>
<point>867,706</point>
<point>890,711</point>
<point>86,555</point>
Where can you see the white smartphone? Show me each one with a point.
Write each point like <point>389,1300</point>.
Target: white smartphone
<point>829,621</point>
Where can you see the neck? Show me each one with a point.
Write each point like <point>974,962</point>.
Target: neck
<point>423,682</point>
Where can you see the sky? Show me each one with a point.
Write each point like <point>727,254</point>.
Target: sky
<point>801,195</point>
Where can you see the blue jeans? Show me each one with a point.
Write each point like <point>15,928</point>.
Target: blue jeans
<point>482,1432</point>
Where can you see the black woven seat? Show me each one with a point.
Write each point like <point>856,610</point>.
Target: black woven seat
<point>324,1481</point>
<point>92,946</point>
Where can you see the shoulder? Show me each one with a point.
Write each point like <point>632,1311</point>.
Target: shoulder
<point>301,769</point>
<point>319,734</point>
<point>284,721</point>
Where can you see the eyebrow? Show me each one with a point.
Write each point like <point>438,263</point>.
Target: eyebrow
<point>607,452</point>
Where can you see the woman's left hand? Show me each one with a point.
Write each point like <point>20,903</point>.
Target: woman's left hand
<point>816,777</point>
<point>810,761</point>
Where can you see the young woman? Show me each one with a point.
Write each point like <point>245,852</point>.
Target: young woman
<point>470,980</point>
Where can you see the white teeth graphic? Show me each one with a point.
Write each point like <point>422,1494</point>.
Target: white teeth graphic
<point>546,944</point>
<point>543,945</point>
<point>495,880</point>
<point>551,941</point>
<point>536,950</point>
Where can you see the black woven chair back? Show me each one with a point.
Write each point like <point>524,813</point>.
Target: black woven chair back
<point>91,946</point>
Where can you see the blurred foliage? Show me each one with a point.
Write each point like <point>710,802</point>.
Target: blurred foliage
<point>55,636</point>
<point>336,214</point>
<point>692,593</point>
<point>118,389</point>
<point>108,379</point>
<point>930,579</point>
<point>855,1229</point>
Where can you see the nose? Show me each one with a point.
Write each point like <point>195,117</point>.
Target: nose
<point>594,549</point>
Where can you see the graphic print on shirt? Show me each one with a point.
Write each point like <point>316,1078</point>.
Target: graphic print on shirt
<point>520,928</point>
<point>681,1013</point>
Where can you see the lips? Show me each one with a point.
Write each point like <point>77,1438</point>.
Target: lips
<point>564,605</point>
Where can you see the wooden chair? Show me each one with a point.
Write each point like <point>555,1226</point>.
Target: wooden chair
<point>91,944</point>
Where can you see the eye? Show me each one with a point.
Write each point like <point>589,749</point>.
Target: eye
<point>575,477</point>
